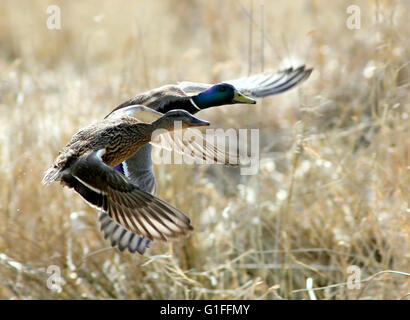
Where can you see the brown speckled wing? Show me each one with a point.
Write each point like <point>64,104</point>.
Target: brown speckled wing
<point>133,209</point>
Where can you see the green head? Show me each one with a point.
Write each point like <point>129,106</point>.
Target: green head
<point>220,94</point>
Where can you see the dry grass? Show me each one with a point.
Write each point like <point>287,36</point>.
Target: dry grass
<point>333,188</point>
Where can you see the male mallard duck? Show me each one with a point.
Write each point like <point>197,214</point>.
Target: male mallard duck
<point>86,165</point>
<point>194,97</point>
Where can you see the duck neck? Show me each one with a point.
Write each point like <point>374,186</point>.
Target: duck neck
<point>192,104</point>
<point>162,123</point>
<point>204,100</point>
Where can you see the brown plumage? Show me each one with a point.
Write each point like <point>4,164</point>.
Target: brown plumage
<point>187,96</point>
<point>85,164</point>
<point>120,138</point>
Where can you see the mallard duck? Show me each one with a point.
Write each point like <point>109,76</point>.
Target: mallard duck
<point>86,165</point>
<point>194,97</point>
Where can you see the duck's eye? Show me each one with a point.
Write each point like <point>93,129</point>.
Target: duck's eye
<point>222,89</point>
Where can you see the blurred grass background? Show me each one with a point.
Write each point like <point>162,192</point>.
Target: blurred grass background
<point>333,185</point>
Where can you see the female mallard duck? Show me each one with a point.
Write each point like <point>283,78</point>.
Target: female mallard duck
<point>194,97</point>
<point>86,165</point>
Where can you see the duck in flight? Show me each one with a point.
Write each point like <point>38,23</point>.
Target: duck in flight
<point>132,216</point>
<point>193,97</point>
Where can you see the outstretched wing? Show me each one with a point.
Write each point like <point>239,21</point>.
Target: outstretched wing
<point>195,147</point>
<point>138,170</point>
<point>258,85</point>
<point>133,209</point>
<point>121,237</point>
